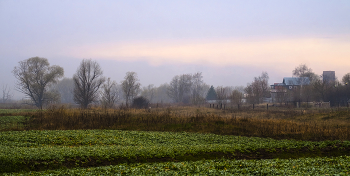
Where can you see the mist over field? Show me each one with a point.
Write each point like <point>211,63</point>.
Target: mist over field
<point>185,87</point>
<point>230,42</point>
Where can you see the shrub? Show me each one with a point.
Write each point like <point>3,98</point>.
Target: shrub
<point>140,102</point>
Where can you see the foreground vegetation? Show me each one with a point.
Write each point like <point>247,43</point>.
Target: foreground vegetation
<point>203,141</point>
<point>41,150</point>
<point>302,166</point>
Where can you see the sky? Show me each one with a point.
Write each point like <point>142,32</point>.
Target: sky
<point>229,41</point>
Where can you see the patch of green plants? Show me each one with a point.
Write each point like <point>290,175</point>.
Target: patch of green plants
<point>41,150</point>
<point>12,122</point>
<point>13,111</point>
<point>302,166</point>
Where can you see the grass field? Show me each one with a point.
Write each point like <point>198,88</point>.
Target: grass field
<point>174,141</point>
<point>11,122</point>
<point>16,111</point>
<point>299,124</point>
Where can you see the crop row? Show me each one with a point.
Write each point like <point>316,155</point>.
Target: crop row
<point>303,166</point>
<point>141,138</point>
<point>35,150</point>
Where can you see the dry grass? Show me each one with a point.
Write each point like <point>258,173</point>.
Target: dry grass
<point>278,123</point>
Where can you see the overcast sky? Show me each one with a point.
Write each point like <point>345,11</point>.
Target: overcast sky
<point>229,41</point>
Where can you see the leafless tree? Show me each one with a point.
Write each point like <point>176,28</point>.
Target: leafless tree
<point>179,89</point>
<point>346,79</point>
<point>34,76</point>
<point>130,86</point>
<point>87,81</point>
<point>236,97</point>
<point>250,97</point>
<point>173,89</point>
<point>199,89</point>
<point>109,94</point>
<point>161,94</point>
<point>6,94</point>
<point>305,78</point>
<point>321,90</point>
<point>65,88</point>
<point>221,93</point>
<point>149,92</point>
<point>303,71</point>
<point>258,89</point>
<point>188,88</point>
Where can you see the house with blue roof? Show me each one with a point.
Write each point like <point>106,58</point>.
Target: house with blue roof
<point>280,91</point>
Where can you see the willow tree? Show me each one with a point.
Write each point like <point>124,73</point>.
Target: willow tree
<point>34,76</point>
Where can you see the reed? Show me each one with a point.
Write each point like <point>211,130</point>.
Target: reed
<point>286,123</point>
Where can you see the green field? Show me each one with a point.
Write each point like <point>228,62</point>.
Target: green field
<point>302,166</point>
<point>11,122</point>
<point>12,119</point>
<point>24,151</point>
<point>140,142</point>
<point>14,111</point>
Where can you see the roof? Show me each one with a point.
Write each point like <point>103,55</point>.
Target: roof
<point>296,81</point>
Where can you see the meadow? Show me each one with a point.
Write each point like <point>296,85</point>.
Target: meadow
<point>175,141</point>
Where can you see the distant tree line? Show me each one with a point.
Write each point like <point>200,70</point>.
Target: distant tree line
<point>43,85</point>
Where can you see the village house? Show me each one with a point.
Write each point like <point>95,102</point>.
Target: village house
<point>285,91</point>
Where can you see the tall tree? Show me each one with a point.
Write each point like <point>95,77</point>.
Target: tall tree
<point>109,94</point>
<point>130,86</point>
<point>258,89</point>
<point>6,94</point>
<point>346,79</point>
<point>180,87</point>
<point>236,97</point>
<point>87,81</point>
<point>34,76</point>
<point>173,89</point>
<point>149,92</point>
<point>161,94</point>
<point>65,88</point>
<point>199,88</point>
<point>305,91</point>
<point>303,71</point>
<point>222,93</point>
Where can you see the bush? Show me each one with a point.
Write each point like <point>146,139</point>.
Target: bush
<point>140,102</point>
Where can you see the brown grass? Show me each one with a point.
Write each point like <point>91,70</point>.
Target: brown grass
<point>283,123</point>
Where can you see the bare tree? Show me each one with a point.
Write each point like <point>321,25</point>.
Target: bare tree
<point>321,90</point>
<point>109,94</point>
<point>221,93</point>
<point>305,92</point>
<point>236,97</point>
<point>173,89</point>
<point>161,94</point>
<point>258,89</point>
<point>149,92</point>
<point>250,97</point>
<point>6,94</point>
<point>34,75</point>
<point>130,86</point>
<point>346,79</point>
<point>87,81</point>
<point>303,71</point>
<point>180,88</point>
<point>199,88</point>
<point>65,88</point>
